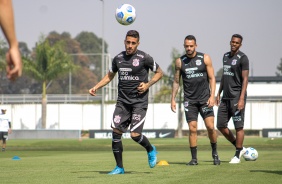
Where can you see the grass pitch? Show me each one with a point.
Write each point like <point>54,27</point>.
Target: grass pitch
<point>89,161</point>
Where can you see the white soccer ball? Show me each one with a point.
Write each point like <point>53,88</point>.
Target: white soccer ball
<point>251,154</point>
<point>125,14</point>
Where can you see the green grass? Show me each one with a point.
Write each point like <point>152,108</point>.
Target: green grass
<point>89,161</point>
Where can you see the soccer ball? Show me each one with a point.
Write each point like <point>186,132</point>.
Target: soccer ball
<point>125,14</point>
<point>251,154</point>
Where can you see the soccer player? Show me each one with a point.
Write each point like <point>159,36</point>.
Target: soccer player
<point>5,128</point>
<point>197,73</point>
<point>132,66</point>
<point>234,82</point>
<point>13,56</point>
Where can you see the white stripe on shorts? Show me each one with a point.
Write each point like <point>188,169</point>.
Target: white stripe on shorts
<point>138,124</point>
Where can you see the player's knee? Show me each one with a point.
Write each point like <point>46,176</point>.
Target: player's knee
<point>134,134</point>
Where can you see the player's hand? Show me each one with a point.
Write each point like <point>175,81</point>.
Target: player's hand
<point>9,131</point>
<point>14,64</point>
<point>210,102</point>
<point>92,91</point>
<point>217,100</point>
<point>241,104</point>
<point>142,88</point>
<point>173,106</point>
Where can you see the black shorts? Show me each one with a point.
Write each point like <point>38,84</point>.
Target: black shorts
<point>193,108</point>
<point>228,109</point>
<point>3,135</point>
<point>127,116</point>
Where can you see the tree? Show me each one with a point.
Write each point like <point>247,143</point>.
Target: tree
<point>279,68</point>
<point>49,63</point>
<point>219,72</point>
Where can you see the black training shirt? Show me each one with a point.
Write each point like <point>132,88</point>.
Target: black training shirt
<point>195,78</point>
<point>132,70</point>
<point>232,74</point>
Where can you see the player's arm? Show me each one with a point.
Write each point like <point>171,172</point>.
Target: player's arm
<point>13,57</point>
<point>245,77</point>
<point>145,86</point>
<point>107,78</point>
<point>175,84</point>
<point>10,128</point>
<point>210,72</point>
<point>217,100</point>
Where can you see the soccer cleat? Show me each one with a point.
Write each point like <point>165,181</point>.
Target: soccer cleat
<point>117,170</point>
<point>3,149</point>
<point>193,162</point>
<point>235,160</point>
<point>216,160</point>
<point>242,152</point>
<point>152,157</point>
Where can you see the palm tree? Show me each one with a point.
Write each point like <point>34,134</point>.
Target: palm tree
<point>50,62</point>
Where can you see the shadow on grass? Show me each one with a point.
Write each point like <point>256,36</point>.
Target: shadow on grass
<point>268,171</point>
<point>106,172</point>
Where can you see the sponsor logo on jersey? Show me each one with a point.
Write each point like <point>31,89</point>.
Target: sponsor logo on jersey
<point>226,71</point>
<point>194,75</point>
<point>140,55</point>
<point>198,62</point>
<point>135,62</point>
<point>125,69</point>
<point>117,119</point>
<point>120,55</point>
<point>234,61</point>
<point>129,77</point>
<point>238,56</point>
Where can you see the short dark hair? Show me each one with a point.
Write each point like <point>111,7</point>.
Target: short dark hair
<point>133,33</point>
<point>238,36</point>
<point>190,37</point>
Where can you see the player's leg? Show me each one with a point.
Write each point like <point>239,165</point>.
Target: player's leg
<point>223,117</point>
<point>238,120</point>
<point>119,125</point>
<point>193,142</point>
<point>212,134</point>
<point>3,140</point>
<point>207,114</point>
<point>191,114</point>
<point>136,128</point>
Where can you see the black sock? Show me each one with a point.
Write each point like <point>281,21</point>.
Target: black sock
<point>194,152</point>
<point>143,141</point>
<point>117,148</point>
<point>237,153</point>
<point>214,150</point>
<point>234,143</point>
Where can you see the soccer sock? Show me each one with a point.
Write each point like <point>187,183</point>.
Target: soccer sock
<point>117,148</point>
<point>214,150</point>
<point>194,152</point>
<point>234,142</point>
<point>143,141</point>
<point>237,153</point>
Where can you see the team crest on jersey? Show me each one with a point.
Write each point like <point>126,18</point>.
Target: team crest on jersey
<point>186,104</point>
<point>198,62</point>
<point>234,61</point>
<point>135,62</point>
<point>117,119</point>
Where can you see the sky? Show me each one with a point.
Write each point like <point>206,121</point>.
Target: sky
<point>163,25</point>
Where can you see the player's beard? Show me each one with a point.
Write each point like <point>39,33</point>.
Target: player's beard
<point>190,53</point>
